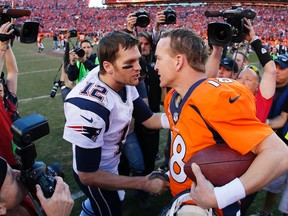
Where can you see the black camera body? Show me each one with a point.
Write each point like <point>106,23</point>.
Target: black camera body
<point>26,130</point>
<point>143,18</point>
<point>27,32</point>
<point>73,32</point>
<point>170,16</point>
<point>230,31</point>
<point>57,84</point>
<point>79,51</point>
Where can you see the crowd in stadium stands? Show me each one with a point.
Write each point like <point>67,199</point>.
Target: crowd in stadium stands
<point>60,14</point>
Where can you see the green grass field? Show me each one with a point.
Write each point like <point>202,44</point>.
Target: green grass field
<point>36,74</point>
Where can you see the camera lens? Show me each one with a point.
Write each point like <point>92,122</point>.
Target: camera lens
<point>143,21</point>
<point>170,18</point>
<point>143,18</point>
<point>221,34</point>
<point>80,52</point>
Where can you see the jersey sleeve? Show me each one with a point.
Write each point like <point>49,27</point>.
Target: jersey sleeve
<point>84,128</point>
<point>232,113</point>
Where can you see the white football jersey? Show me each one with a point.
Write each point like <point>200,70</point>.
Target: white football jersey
<point>96,116</point>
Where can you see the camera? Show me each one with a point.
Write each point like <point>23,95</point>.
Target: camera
<point>27,32</point>
<point>170,16</point>
<point>25,131</point>
<point>73,32</point>
<point>230,31</point>
<point>143,18</point>
<point>57,84</point>
<point>79,51</point>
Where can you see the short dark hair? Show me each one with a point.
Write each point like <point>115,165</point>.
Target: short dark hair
<point>109,46</point>
<point>85,41</point>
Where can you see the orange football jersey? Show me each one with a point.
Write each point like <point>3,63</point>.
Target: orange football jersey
<point>212,111</point>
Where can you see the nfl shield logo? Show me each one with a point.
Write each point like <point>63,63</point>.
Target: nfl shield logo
<point>175,116</point>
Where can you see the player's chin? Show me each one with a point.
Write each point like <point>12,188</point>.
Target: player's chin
<point>162,84</point>
<point>134,82</point>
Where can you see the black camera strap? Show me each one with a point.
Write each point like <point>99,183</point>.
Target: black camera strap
<point>38,208</point>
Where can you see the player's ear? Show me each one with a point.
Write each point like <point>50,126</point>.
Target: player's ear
<point>108,66</point>
<point>179,61</point>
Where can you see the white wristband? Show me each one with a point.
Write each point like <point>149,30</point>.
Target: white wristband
<point>229,193</point>
<point>164,121</point>
<point>254,39</point>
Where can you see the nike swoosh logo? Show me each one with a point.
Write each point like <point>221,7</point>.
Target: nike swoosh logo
<point>232,100</point>
<point>89,120</point>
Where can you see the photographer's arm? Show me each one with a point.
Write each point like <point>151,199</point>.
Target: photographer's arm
<point>72,69</point>
<point>61,203</point>
<point>12,70</point>
<point>268,81</point>
<point>90,65</point>
<point>160,18</point>
<point>213,62</point>
<point>4,42</point>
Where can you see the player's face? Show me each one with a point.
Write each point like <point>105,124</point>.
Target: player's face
<point>165,63</point>
<point>127,67</point>
<point>281,76</point>
<point>240,61</point>
<point>13,191</point>
<point>224,73</point>
<point>250,79</point>
<point>145,46</point>
<point>87,48</point>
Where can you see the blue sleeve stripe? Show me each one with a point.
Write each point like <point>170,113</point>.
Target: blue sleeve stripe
<point>94,107</point>
<point>87,160</point>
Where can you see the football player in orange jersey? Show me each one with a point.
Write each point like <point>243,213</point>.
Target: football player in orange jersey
<point>204,112</point>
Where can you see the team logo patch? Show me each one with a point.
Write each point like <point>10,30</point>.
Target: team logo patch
<point>175,116</point>
<point>90,132</point>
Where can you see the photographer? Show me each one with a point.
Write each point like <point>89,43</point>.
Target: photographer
<point>80,65</point>
<point>154,91</point>
<point>13,193</point>
<point>8,91</point>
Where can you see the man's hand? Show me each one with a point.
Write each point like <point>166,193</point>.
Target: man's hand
<point>248,25</point>
<point>61,203</point>
<point>160,18</point>
<point>156,184</point>
<point>131,21</point>
<point>202,193</point>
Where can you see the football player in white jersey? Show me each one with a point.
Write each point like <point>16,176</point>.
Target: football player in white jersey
<point>98,112</point>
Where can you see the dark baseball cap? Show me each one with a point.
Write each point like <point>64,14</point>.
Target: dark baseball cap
<point>3,170</point>
<point>282,60</point>
<point>229,64</point>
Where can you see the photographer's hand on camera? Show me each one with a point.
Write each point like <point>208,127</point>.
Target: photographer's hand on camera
<point>131,21</point>
<point>61,203</point>
<point>251,33</point>
<point>72,56</point>
<point>160,18</point>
